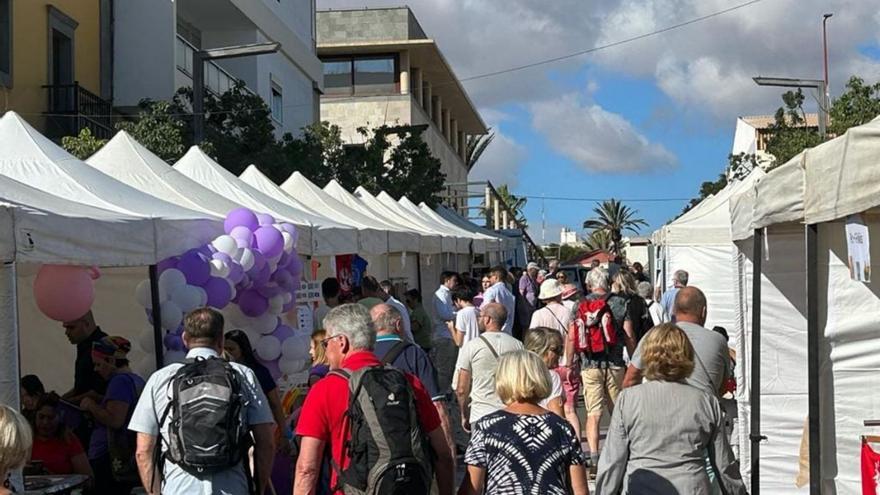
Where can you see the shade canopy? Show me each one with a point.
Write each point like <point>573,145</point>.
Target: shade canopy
<point>448,242</point>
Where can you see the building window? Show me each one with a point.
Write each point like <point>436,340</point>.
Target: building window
<point>337,77</point>
<point>277,102</point>
<point>362,76</point>
<point>6,42</point>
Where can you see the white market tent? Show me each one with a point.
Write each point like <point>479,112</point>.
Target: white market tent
<point>503,243</point>
<point>467,240</point>
<point>318,235</point>
<point>429,241</point>
<point>449,242</point>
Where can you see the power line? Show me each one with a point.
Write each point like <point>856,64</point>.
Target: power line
<point>628,200</point>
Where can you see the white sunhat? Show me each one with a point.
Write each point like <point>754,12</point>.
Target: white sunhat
<point>550,288</point>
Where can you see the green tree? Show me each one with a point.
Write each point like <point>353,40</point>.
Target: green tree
<point>476,145</point>
<point>599,240</point>
<point>614,218</point>
<point>858,105</point>
<point>83,145</point>
<point>319,154</point>
<point>159,127</point>
<point>515,204</point>
<point>565,252</point>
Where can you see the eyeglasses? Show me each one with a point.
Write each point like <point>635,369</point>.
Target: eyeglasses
<point>325,342</point>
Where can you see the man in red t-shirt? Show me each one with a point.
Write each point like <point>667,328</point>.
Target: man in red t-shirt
<point>349,344</point>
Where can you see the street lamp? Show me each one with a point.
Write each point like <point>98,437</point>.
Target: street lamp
<point>786,82</point>
<point>199,59</point>
<point>825,51</point>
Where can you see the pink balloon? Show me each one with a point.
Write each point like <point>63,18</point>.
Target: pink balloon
<point>64,293</point>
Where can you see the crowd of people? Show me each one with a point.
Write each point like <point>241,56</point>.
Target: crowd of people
<point>475,389</point>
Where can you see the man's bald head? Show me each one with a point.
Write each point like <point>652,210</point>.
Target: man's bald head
<point>497,314</point>
<point>690,305</point>
<point>386,319</point>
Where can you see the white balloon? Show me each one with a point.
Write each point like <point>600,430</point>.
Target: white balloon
<point>245,258</point>
<point>174,357</point>
<point>187,298</point>
<point>294,348</point>
<point>288,242</point>
<point>291,366</point>
<point>234,316</point>
<point>145,339</point>
<point>287,297</point>
<point>225,244</point>
<point>276,304</point>
<point>219,269</point>
<point>143,295</point>
<point>268,348</point>
<point>273,265</point>
<point>170,279</point>
<point>203,295</point>
<point>172,315</point>
<point>267,323</point>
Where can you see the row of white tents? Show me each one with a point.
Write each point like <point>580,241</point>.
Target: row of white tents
<point>770,252</point>
<point>125,209</point>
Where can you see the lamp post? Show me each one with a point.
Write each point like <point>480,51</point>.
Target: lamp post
<point>199,59</point>
<point>825,53</point>
<point>786,82</point>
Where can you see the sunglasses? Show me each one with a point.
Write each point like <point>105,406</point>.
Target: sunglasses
<point>326,342</point>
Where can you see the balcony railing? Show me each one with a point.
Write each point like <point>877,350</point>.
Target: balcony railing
<point>72,108</point>
<point>217,79</point>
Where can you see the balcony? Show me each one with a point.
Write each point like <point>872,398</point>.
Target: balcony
<point>217,79</point>
<point>72,108</point>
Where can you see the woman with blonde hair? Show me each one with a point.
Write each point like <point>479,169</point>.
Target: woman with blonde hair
<point>523,448</point>
<point>16,439</point>
<point>320,365</point>
<point>547,344</point>
<point>662,430</point>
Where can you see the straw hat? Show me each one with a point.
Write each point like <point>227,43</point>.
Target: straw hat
<point>550,288</point>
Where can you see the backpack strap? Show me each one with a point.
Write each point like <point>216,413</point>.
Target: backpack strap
<point>489,345</point>
<point>395,352</point>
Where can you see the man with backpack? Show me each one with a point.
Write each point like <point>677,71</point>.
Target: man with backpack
<point>381,428</point>
<point>599,332</point>
<point>196,421</point>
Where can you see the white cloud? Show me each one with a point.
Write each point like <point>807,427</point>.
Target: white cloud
<point>501,161</point>
<point>596,139</point>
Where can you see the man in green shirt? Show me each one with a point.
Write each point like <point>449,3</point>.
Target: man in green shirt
<point>421,321</point>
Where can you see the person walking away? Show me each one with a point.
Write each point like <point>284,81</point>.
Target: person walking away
<point>392,349</point>
<point>445,351</point>
<point>467,324</point>
<point>570,297</point>
<point>55,447</point>
<point>171,411</point>
<point>636,308</point>
<point>658,315</point>
<point>421,322</point>
<point>523,448</point>
<point>499,293</point>
<point>374,294</point>
<point>555,315</point>
<point>667,301</point>
<point>599,333</point>
<point>112,446</point>
<point>546,343</point>
<point>331,417</point>
<point>330,292</point>
<point>661,430</point>
<point>476,366</point>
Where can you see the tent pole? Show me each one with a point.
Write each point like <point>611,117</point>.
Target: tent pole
<point>157,315</point>
<point>419,273</point>
<point>755,436</point>
<point>812,234</point>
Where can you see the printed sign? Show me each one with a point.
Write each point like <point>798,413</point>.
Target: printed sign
<point>858,247</point>
<point>309,292</point>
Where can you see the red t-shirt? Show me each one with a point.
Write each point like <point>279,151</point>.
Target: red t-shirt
<point>325,406</point>
<point>56,453</point>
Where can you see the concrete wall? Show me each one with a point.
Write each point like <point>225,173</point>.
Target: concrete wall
<point>351,26</point>
<point>298,15</point>
<point>143,51</point>
<point>299,98</point>
<point>450,163</point>
<point>370,112</point>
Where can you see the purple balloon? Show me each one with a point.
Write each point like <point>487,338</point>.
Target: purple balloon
<point>240,217</point>
<point>219,292</point>
<point>265,219</point>
<point>205,250</point>
<point>252,303</point>
<point>269,290</point>
<point>166,264</point>
<point>173,342</point>
<point>295,267</point>
<point>179,330</point>
<point>222,257</point>
<point>269,241</point>
<point>195,268</point>
<point>284,260</point>
<point>243,236</point>
<point>261,278</point>
<point>236,273</point>
<point>259,263</point>
<point>283,278</point>
<point>273,368</point>
<point>283,332</point>
<point>245,283</point>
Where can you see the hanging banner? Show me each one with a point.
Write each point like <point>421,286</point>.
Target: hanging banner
<point>358,269</point>
<point>858,248</point>
<point>344,272</point>
<point>870,470</point>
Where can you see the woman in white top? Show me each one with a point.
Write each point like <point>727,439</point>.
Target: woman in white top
<point>547,344</point>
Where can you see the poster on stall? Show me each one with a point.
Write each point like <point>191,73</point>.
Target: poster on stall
<point>858,248</point>
<point>344,273</point>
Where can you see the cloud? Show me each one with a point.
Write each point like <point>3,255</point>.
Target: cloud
<point>596,139</point>
<point>503,158</point>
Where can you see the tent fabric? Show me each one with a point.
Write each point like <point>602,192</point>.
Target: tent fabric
<point>780,194</point>
<point>130,162</point>
<point>464,239</point>
<point>449,242</point>
<point>742,214</point>
<point>429,241</point>
<point>32,159</point>
<point>9,365</point>
<point>377,237</point>
<point>496,244</point>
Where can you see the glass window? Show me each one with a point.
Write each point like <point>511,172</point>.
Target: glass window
<point>277,103</point>
<point>5,42</point>
<point>337,77</point>
<point>375,76</point>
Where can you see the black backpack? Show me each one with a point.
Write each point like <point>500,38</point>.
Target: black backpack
<point>206,433</point>
<point>389,454</point>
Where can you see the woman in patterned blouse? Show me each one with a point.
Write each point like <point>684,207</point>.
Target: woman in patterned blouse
<point>523,448</point>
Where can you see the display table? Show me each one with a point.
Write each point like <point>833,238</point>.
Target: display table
<point>53,484</point>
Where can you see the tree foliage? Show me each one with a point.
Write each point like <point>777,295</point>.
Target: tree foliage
<point>613,218</point>
<point>159,128</point>
<point>790,133</point>
<point>83,145</point>
<point>564,252</point>
<point>476,145</point>
<point>858,105</point>
<point>599,240</point>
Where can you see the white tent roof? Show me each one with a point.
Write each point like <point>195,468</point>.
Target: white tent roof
<point>780,194</point>
<point>482,242</point>
<point>465,239</point>
<point>31,158</point>
<point>394,239</point>
<point>130,162</point>
<point>742,212</point>
<point>335,237</point>
<point>448,242</point>
<point>495,242</point>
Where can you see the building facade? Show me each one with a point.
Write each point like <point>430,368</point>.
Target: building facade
<point>154,41</point>
<point>381,68</point>
<point>55,64</point>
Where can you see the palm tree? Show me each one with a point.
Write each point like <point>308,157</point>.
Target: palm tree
<point>476,145</point>
<point>514,203</point>
<point>614,217</point>
<point>598,240</point>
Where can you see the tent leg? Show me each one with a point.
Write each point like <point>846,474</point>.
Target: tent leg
<point>812,248</point>
<point>157,315</point>
<point>419,273</point>
<point>10,391</point>
<point>755,436</point>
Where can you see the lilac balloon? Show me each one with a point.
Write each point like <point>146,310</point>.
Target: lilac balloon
<point>240,217</point>
<point>195,268</point>
<point>173,342</point>
<point>269,290</point>
<point>295,267</point>
<point>245,283</point>
<point>283,332</point>
<point>166,264</point>
<point>219,292</point>
<point>283,278</point>
<point>236,273</point>
<point>222,257</point>
<point>269,241</point>
<point>259,263</point>
<point>265,219</point>
<point>205,250</point>
<point>272,366</point>
<point>252,303</point>
<point>243,236</point>
<point>262,277</point>
<point>284,260</point>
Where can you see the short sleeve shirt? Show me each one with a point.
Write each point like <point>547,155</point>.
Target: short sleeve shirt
<point>467,321</point>
<point>412,360</point>
<point>499,293</point>
<point>555,389</point>
<point>56,453</point>
<point>476,358</point>
<point>155,399</point>
<point>122,387</point>
<point>421,326</point>
<point>264,378</point>
<point>404,317</point>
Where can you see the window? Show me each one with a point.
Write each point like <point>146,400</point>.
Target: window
<point>368,75</point>
<point>277,102</point>
<point>6,42</point>
<point>337,77</point>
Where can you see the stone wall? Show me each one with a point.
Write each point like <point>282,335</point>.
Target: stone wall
<point>352,26</point>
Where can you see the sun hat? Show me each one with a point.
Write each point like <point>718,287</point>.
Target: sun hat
<point>550,288</point>
<point>532,265</point>
<point>569,290</point>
